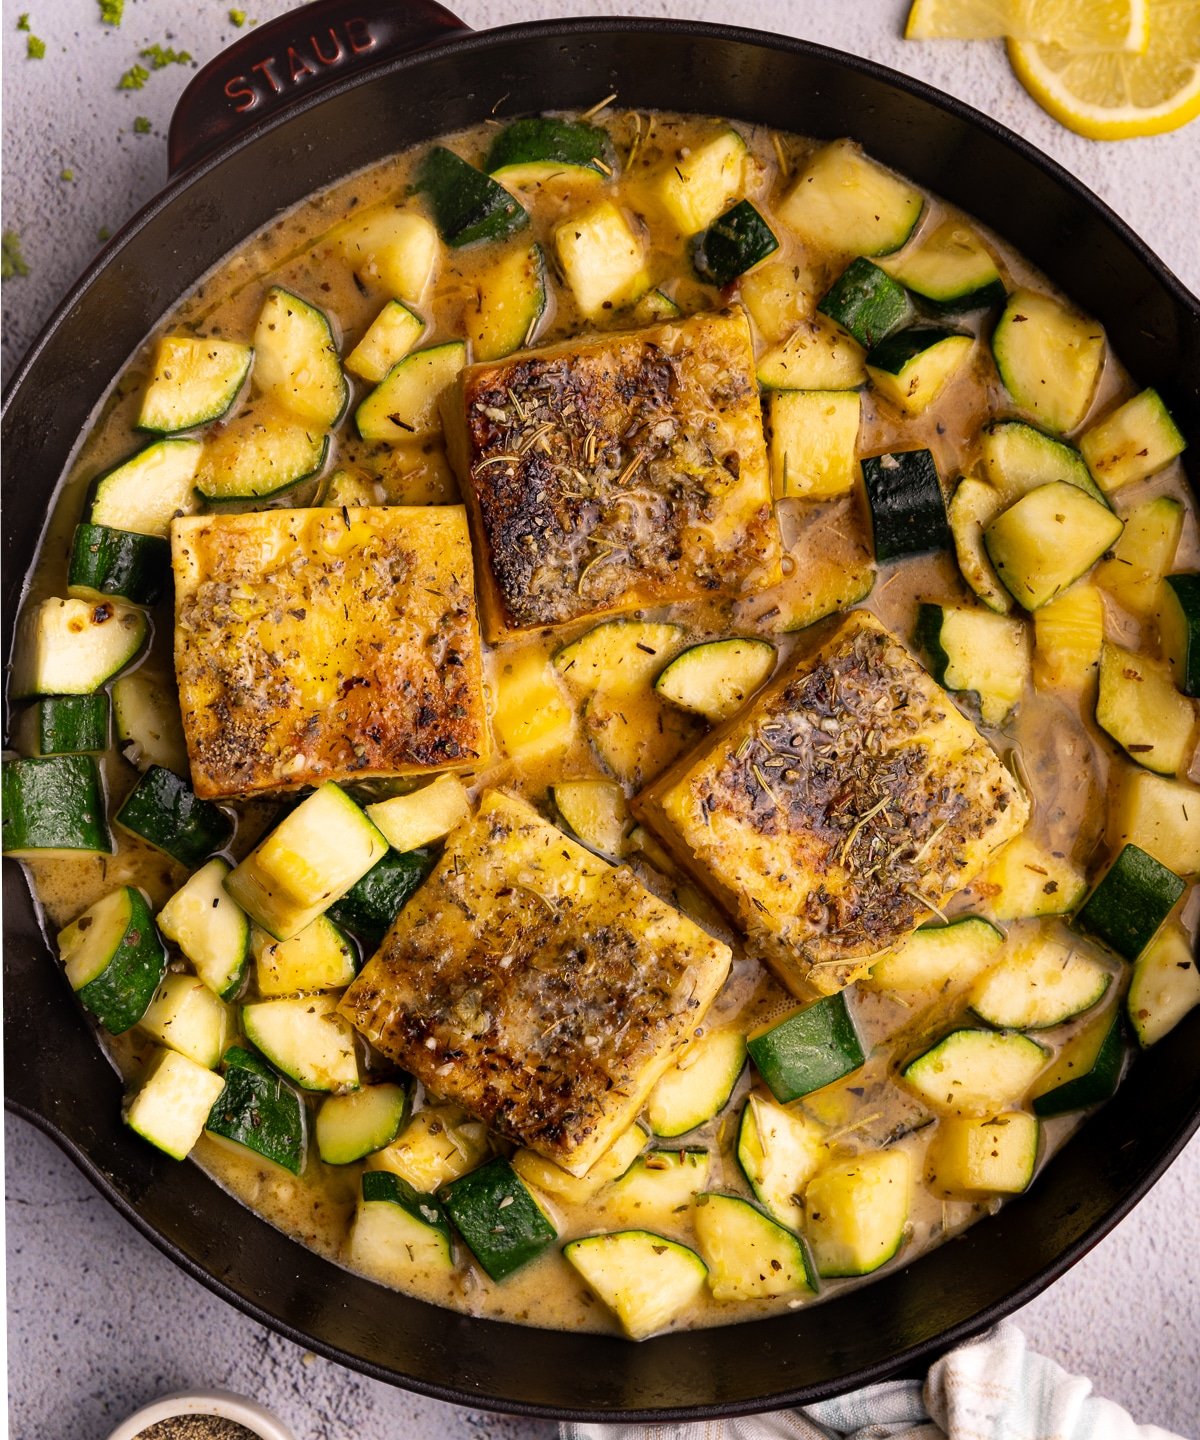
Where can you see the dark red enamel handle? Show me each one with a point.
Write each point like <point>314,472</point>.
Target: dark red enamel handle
<point>290,57</point>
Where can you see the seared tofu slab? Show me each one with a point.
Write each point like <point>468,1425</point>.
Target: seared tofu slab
<point>315,645</point>
<point>841,810</point>
<point>539,987</point>
<point>614,472</point>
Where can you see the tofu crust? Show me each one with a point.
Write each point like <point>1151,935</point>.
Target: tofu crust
<point>616,472</point>
<point>535,985</point>
<point>321,644</point>
<point>841,811</point>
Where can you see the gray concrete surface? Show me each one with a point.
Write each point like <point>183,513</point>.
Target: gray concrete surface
<point>99,1322</point>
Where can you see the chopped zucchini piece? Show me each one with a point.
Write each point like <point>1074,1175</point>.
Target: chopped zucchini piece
<point>319,958</point>
<point>973,504</point>
<point>1135,440</point>
<point>1068,635</point>
<point>259,1110</point>
<point>173,1103</point>
<point>595,812</point>
<point>1026,880</point>
<point>369,908</point>
<point>937,955</point>
<point>1144,552</point>
<point>1049,358</point>
<point>1049,539</point>
<point>1043,984</point>
<point>360,1122</point>
<point>618,656</point>
<point>531,717</point>
<point>950,269</point>
<point>698,1085</point>
<point>857,1212</point>
<point>389,338</point>
<point>350,488</point>
<point>496,1214</point>
<point>976,651</point>
<point>263,452</point>
<point>635,734</point>
<point>602,259</point>
<point>114,959</point>
<point>1018,458</point>
<point>817,355</point>
<point>210,928</point>
<point>397,1231</point>
<point>1130,902</point>
<point>195,379</point>
<point>1159,815</point>
<point>912,367</point>
<point>163,810</point>
<point>1178,606</point>
<point>306,1039</point>
<point>149,726</point>
<point>717,678</point>
<point>123,563</point>
<point>553,1180</point>
<point>749,1256</point>
<point>655,305</point>
<point>537,149</point>
<point>53,805</point>
<point>396,249</point>
<point>1138,705</point>
<point>845,202</point>
<point>976,1072</point>
<point>404,404</point>
<point>1165,985</point>
<point>467,205</point>
<point>419,818</point>
<point>779,1150</point>
<point>973,1158</point>
<point>733,244</point>
<point>144,493</point>
<point>71,647</point>
<point>69,724</point>
<point>811,1048</point>
<point>695,190</point>
<point>867,302</point>
<point>438,1144</point>
<point>307,863</point>
<point>186,1016</point>
<point>658,1184</point>
<point>1085,1071</point>
<point>811,440</point>
<point>643,1278</point>
<point>908,509</point>
<point>511,299</point>
<point>296,360</point>
<point>779,296</point>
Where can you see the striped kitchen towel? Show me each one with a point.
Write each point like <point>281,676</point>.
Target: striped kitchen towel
<point>992,1388</point>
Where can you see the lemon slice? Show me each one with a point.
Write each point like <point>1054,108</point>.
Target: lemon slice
<point>1080,25</point>
<point>1114,97</point>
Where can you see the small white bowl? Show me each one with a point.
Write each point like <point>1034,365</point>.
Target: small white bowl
<point>245,1412</point>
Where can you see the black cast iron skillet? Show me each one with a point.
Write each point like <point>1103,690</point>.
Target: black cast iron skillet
<point>430,76</point>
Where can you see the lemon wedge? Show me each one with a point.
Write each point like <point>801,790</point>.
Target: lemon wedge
<point>1115,97</point>
<point>1085,26</point>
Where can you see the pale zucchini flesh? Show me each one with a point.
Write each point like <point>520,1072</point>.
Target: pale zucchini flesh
<point>976,1072</point>
<point>857,1212</point>
<point>209,926</point>
<point>1138,705</point>
<point>1165,985</point>
<point>717,678</point>
<point>1137,439</point>
<point>749,1256</point>
<point>261,452</point>
<point>811,442</point>
<point>511,299</point>
<point>296,359</point>
<point>173,1104</point>
<point>407,822</point>
<point>618,656</point>
<point>695,190</point>
<point>147,491</point>
<point>319,958</point>
<point>973,504</point>
<point>306,1039</point>
<point>935,955</point>
<point>595,811</point>
<point>1049,539</point>
<point>195,379</point>
<point>360,1122</point>
<point>71,647</point>
<point>388,339</point>
<point>698,1085</point>
<point>644,1279</point>
<point>404,405</point>
<point>779,1149</point>
<point>602,259</point>
<point>1042,985</point>
<point>186,1016</point>
<point>972,1158</point>
<point>1049,358</point>
<point>817,355</point>
<point>845,202</point>
<point>1026,880</point>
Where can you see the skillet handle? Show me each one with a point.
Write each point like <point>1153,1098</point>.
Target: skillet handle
<point>300,52</point>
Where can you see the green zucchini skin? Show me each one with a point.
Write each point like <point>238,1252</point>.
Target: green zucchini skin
<point>53,802</point>
<point>369,907</point>
<point>121,994</point>
<point>162,809</point>
<point>384,1185</point>
<point>1186,590</point>
<point>104,561</point>
<point>468,206</point>
<point>260,1110</point>
<point>867,302</point>
<point>498,1218</point>
<point>1135,896</point>
<point>71,724</point>
<point>895,351</point>
<point>733,244</point>
<point>811,1048</point>
<point>908,509</point>
<point>1095,1086</point>
<point>985,297</point>
<point>541,141</point>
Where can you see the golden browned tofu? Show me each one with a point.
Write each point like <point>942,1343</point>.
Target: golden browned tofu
<point>842,810</point>
<point>315,645</point>
<point>614,472</point>
<point>540,988</point>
